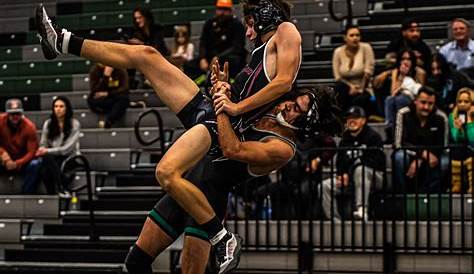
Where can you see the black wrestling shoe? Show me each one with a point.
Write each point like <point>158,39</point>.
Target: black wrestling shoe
<point>226,253</point>
<point>50,35</point>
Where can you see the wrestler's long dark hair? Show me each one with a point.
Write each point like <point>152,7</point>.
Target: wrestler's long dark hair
<point>330,120</point>
<point>53,127</point>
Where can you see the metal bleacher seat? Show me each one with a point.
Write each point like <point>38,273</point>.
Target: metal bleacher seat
<point>79,98</point>
<point>88,119</point>
<point>29,206</point>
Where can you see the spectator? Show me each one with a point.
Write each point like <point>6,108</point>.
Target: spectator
<point>183,50</point>
<point>109,93</point>
<point>460,51</point>
<point>304,173</point>
<point>401,84</point>
<point>410,39</point>
<point>59,140</point>
<point>360,160</point>
<point>352,66</point>
<point>223,36</point>
<point>145,32</point>
<point>445,81</point>
<point>461,127</point>
<point>421,132</point>
<point>18,144</point>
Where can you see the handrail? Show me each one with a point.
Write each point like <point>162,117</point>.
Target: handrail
<point>347,17</point>
<point>161,131</point>
<point>84,164</point>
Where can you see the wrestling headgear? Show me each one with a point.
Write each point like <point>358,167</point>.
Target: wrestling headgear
<point>323,116</point>
<point>266,15</point>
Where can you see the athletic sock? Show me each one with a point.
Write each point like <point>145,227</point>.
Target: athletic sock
<point>72,44</point>
<point>214,240</point>
<point>213,228</point>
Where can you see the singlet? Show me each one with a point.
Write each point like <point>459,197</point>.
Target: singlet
<point>250,80</point>
<point>231,173</point>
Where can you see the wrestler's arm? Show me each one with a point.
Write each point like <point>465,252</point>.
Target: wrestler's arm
<point>271,153</point>
<point>288,47</point>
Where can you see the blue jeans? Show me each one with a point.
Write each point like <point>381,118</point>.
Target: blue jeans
<point>427,179</point>
<point>393,104</point>
<point>31,173</point>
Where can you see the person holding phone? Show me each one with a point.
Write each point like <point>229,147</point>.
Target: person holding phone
<point>461,128</point>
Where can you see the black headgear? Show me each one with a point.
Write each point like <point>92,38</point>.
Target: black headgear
<point>323,116</point>
<point>266,15</point>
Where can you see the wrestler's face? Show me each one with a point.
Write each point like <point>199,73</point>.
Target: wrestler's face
<point>250,32</point>
<point>293,109</point>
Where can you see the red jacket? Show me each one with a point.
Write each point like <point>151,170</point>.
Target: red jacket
<point>21,145</point>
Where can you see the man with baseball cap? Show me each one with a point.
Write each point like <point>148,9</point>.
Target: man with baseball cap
<point>222,37</point>
<point>360,160</point>
<point>18,144</point>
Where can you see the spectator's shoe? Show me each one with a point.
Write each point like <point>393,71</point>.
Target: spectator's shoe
<point>226,253</point>
<point>50,35</point>
<point>361,214</point>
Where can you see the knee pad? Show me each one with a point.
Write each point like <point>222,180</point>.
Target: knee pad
<point>138,261</point>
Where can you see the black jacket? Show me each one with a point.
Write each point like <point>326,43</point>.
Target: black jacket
<point>409,133</point>
<point>367,150</point>
<point>222,37</point>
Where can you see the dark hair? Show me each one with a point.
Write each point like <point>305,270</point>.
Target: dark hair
<point>147,13</point>
<point>426,90</point>
<point>406,24</point>
<point>53,127</point>
<point>412,72</point>
<point>330,115</point>
<point>350,26</point>
<point>443,64</point>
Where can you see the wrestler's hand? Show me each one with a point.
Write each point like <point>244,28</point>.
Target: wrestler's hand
<point>217,74</point>
<point>222,103</point>
<point>222,87</point>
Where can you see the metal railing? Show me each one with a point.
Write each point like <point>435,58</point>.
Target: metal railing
<point>291,214</point>
<point>80,163</point>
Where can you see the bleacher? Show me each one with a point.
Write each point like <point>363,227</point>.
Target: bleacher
<point>43,234</point>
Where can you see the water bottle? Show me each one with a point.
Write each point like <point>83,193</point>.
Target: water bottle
<point>267,208</point>
<point>74,204</point>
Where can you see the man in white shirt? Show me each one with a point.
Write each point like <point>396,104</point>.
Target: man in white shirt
<point>460,51</point>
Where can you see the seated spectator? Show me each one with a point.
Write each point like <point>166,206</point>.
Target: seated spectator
<point>183,50</point>
<point>360,160</point>
<point>410,39</point>
<point>445,81</point>
<point>399,86</point>
<point>145,32</point>
<point>460,51</point>
<point>461,128</point>
<point>352,66</point>
<point>59,140</point>
<point>223,37</point>
<point>304,173</point>
<point>421,132</point>
<point>109,93</point>
<point>18,144</point>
